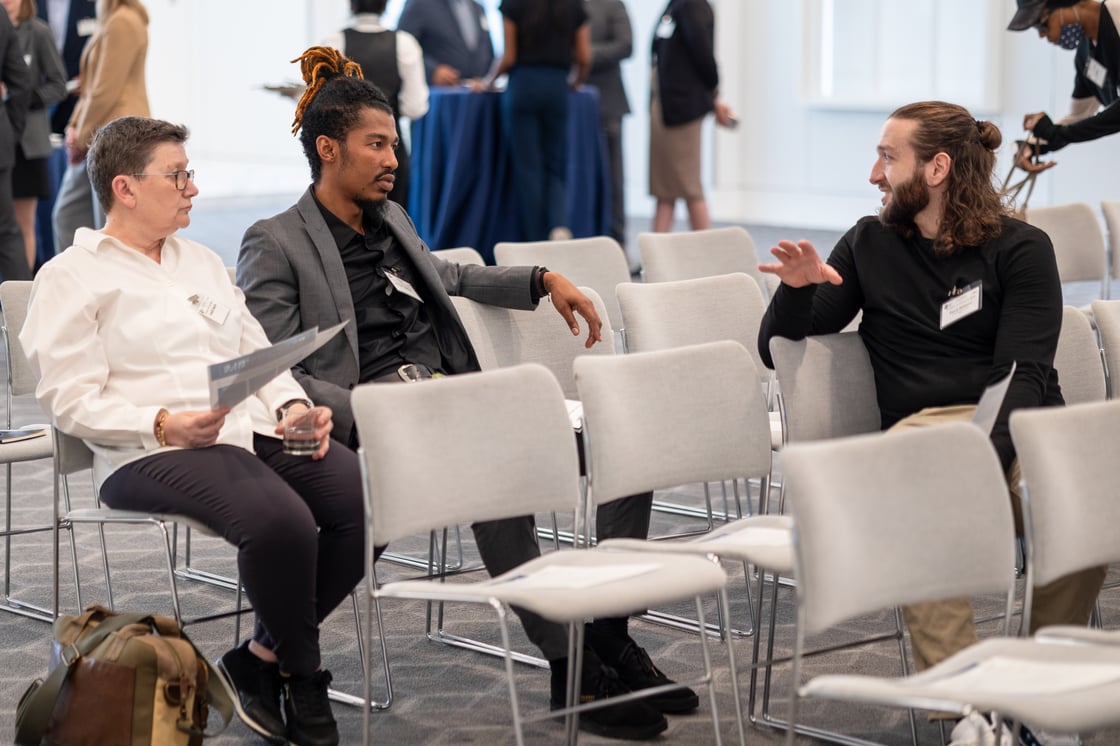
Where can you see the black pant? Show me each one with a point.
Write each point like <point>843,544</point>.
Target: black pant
<point>13,255</point>
<point>298,525</point>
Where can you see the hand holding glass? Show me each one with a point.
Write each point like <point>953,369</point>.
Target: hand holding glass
<point>301,431</point>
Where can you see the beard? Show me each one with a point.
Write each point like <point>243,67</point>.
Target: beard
<point>907,200</point>
<point>374,210</point>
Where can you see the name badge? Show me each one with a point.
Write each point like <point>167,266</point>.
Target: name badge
<point>1096,72</point>
<point>666,28</point>
<point>210,308</point>
<point>402,285</point>
<point>27,60</point>
<point>484,23</point>
<point>964,302</point>
<point>87,26</point>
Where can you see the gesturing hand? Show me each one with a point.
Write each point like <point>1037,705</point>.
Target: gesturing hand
<point>799,265</point>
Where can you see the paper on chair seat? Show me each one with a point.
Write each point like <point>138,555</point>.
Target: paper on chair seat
<point>574,578</point>
<point>1014,677</point>
<point>766,536</point>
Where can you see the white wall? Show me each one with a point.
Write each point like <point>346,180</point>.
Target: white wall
<point>792,162</point>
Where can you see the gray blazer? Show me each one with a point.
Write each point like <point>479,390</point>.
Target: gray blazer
<point>611,43</point>
<point>48,84</point>
<point>293,278</point>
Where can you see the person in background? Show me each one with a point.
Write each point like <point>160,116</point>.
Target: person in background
<point>15,80</point>
<point>345,252</point>
<point>112,86</point>
<point>120,331</point>
<point>684,88</point>
<point>953,292</point>
<point>611,43</point>
<point>543,39</point>
<point>1088,28</point>
<point>394,62</point>
<point>455,37</point>
<point>31,179</point>
<point>72,23</point>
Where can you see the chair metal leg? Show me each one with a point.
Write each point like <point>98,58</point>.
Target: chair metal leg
<point>373,606</point>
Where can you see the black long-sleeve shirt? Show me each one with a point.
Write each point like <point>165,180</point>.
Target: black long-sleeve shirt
<point>900,285</point>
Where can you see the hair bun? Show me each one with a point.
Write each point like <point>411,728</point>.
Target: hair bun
<point>318,65</point>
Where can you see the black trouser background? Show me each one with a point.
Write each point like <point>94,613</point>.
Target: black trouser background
<point>298,525</point>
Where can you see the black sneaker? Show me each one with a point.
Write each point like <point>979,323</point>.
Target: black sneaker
<point>632,721</point>
<point>638,672</point>
<point>256,685</point>
<point>308,710</point>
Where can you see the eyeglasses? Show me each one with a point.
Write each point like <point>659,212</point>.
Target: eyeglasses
<point>181,178</point>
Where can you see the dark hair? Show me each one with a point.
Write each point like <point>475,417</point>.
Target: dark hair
<point>331,104</point>
<point>125,146</point>
<point>367,6</point>
<point>973,205</point>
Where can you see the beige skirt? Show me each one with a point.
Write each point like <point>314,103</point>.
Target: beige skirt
<point>674,155</point>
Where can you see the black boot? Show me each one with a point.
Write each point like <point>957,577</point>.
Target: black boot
<point>638,672</point>
<point>256,687</point>
<point>634,721</point>
<point>308,710</point>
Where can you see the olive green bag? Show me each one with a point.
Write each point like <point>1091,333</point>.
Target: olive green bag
<point>121,680</point>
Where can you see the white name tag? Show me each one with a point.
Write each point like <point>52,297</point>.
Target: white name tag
<point>87,26</point>
<point>965,303</point>
<point>210,308</point>
<point>402,285</point>
<point>1095,72</point>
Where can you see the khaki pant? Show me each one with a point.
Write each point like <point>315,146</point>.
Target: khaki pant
<point>938,629</point>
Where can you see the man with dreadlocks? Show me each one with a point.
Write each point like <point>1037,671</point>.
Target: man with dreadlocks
<point>345,253</point>
<point>953,291</point>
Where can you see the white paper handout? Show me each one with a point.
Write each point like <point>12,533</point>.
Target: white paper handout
<point>236,380</point>
<point>575,578</point>
<point>1027,677</point>
<point>987,409</point>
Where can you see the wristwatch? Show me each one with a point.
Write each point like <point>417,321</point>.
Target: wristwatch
<point>283,408</point>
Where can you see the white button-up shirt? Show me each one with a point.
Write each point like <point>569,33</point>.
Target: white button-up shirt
<point>114,337</point>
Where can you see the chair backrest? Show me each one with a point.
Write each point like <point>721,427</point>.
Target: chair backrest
<point>14,295</point>
<point>598,263</point>
<point>467,448</point>
<point>888,519</point>
<point>661,315</point>
<point>827,386</point>
<point>1078,360</point>
<point>71,454</point>
<point>461,255</point>
<point>688,254</point>
<point>660,419</point>
<point>1068,460</point>
<point>1077,238</point>
<point>1107,315</point>
<point>503,337</point>
<point>1110,208</point>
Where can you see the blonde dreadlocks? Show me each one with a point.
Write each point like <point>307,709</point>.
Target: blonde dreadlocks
<point>318,65</point>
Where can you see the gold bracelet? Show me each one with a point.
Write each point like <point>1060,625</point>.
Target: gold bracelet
<point>161,436</point>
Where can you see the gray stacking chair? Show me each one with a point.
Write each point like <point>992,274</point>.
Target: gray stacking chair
<point>598,263</point>
<point>1078,359</point>
<point>1106,313</point>
<point>461,255</point>
<point>922,538</point>
<point>648,424</point>
<point>664,315</point>
<point>21,384</point>
<point>501,443</point>
<point>1078,241</point>
<point>1110,209</point>
<point>685,255</point>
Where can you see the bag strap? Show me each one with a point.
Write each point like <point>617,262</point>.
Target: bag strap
<point>217,695</point>
<point>40,705</point>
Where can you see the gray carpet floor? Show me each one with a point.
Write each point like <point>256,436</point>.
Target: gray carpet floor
<point>441,695</point>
